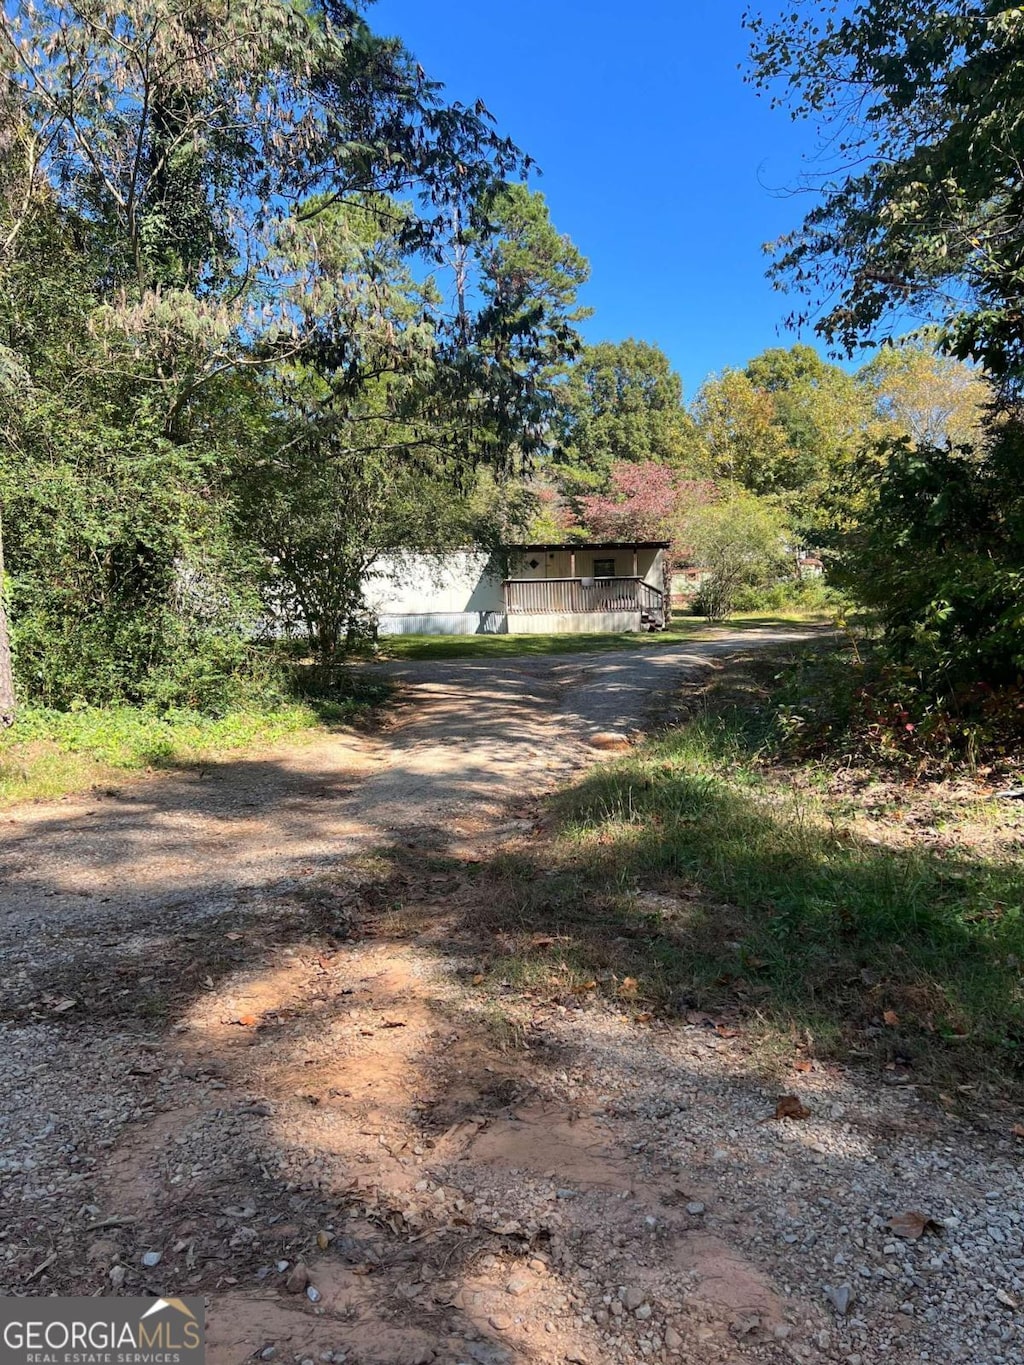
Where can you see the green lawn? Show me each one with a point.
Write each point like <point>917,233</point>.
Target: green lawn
<point>47,754</point>
<point>683,630</point>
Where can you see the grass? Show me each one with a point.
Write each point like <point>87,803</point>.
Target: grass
<point>694,874</point>
<point>47,754</point>
<point>683,630</point>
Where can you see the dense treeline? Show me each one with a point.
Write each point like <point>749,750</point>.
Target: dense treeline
<point>268,303</point>
<point>766,462</point>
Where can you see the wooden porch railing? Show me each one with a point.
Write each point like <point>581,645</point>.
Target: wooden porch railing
<point>543,595</point>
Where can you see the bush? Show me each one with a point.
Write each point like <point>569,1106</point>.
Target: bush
<point>742,542</point>
<point>796,594</point>
<point>938,557</point>
<point>858,705</point>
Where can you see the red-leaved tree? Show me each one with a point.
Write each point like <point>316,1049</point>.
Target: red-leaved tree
<point>645,501</point>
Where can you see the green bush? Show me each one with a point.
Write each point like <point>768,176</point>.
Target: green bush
<point>799,594</point>
<point>938,557</point>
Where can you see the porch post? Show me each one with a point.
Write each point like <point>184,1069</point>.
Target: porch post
<point>572,563</point>
<point>636,563</point>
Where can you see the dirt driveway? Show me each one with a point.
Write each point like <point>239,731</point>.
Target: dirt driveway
<point>231,1067</point>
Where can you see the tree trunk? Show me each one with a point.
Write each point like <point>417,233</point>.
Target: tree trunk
<point>8,703</point>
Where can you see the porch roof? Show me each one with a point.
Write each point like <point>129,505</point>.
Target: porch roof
<point>593,545</point>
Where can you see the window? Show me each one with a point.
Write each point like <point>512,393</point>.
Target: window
<point>604,568</point>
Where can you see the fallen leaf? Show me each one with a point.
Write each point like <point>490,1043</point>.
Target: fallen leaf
<point>325,963</point>
<point>60,1006</point>
<point>233,938</point>
<point>247,1020</point>
<point>1018,1130</point>
<point>891,1019</point>
<point>478,980</point>
<point>393,1023</point>
<point>629,986</point>
<point>803,1065</point>
<point>589,986</point>
<point>913,1225</point>
<point>644,1018</point>
<point>724,1032</point>
<point>789,1107</point>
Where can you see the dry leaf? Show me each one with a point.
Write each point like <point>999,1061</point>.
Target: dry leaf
<point>233,938</point>
<point>724,1032</point>
<point>629,986</point>
<point>891,1019</point>
<point>1018,1130</point>
<point>589,986</point>
<point>913,1225</point>
<point>803,1065</point>
<point>478,980</point>
<point>644,1018</point>
<point>247,1020</point>
<point>393,1023</point>
<point>60,1006</point>
<point>789,1107</point>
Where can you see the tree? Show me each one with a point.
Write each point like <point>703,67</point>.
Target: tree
<point>623,401</point>
<point>924,211</point>
<point>168,178</point>
<point>743,542</point>
<point>781,427</point>
<point>931,399</point>
<point>364,450</point>
<point>937,555</point>
<point>740,436</point>
<point>645,502</point>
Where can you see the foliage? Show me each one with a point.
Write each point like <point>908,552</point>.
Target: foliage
<point>623,402</point>
<point>48,753</point>
<point>858,707</point>
<point>326,493</point>
<point>783,427</point>
<point>938,556</point>
<point>922,214</point>
<point>742,541</point>
<point>931,399</point>
<point>218,229</point>
<point>645,501</point>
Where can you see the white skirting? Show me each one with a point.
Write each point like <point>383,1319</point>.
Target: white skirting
<point>573,623</point>
<point>517,623</point>
<point>443,623</point>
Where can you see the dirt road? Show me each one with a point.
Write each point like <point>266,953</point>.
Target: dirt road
<point>243,1058</point>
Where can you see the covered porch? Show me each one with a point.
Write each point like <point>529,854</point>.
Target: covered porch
<point>586,587</point>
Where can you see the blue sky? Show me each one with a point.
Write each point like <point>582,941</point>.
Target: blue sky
<point>657,160</point>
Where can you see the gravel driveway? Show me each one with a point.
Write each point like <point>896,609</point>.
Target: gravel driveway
<point>230,1068</point>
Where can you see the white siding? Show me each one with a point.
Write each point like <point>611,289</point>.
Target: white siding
<point>422,584</point>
